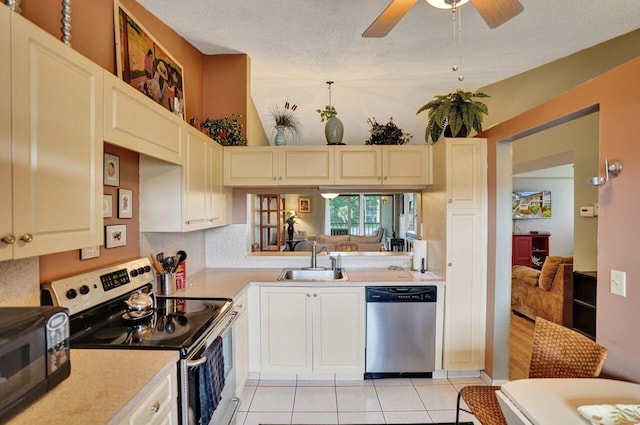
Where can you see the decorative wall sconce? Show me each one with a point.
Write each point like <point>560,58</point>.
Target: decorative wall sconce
<point>612,169</point>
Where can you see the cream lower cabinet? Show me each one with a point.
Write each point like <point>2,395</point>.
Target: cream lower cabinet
<point>135,122</point>
<point>316,331</point>
<point>392,165</point>
<point>56,139</point>
<point>273,166</point>
<point>160,406</point>
<point>176,198</point>
<point>241,343</point>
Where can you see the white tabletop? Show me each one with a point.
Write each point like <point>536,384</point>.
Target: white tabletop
<point>556,401</point>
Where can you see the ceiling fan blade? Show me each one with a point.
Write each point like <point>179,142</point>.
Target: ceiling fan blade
<point>389,18</point>
<point>497,12</point>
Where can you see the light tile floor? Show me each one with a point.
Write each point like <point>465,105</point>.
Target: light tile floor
<point>377,401</point>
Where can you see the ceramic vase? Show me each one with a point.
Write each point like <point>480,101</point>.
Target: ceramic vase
<point>280,140</point>
<point>333,131</point>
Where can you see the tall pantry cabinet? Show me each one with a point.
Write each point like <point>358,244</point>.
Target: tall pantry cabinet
<point>51,143</point>
<point>455,223</point>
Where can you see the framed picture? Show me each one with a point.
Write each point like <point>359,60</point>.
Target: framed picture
<point>304,205</point>
<point>144,64</point>
<point>111,170</point>
<point>115,235</point>
<point>107,206</point>
<point>125,203</point>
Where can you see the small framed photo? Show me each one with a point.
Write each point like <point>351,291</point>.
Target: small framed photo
<point>107,206</point>
<point>111,170</point>
<point>125,203</point>
<point>304,205</point>
<point>115,235</point>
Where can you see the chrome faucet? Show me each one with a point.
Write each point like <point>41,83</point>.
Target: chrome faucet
<point>314,254</point>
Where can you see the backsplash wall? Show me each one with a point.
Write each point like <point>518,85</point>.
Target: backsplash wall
<point>19,282</point>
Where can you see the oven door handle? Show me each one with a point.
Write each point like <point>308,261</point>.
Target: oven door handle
<point>234,316</point>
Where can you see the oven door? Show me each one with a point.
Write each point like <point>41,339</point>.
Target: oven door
<point>226,409</point>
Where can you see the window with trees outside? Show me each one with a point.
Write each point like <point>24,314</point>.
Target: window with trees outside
<point>358,214</point>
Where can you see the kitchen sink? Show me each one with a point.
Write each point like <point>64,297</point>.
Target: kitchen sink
<point>323,274</point>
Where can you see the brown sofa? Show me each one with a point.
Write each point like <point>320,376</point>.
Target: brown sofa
<point>546,293</point>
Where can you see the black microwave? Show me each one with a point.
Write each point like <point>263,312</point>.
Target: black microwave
<point>34,354</point>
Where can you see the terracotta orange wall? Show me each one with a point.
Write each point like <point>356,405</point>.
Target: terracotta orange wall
<point>63,264</point>
<point>617,93</point>
<point>225,87</point>
<point>93,36</point>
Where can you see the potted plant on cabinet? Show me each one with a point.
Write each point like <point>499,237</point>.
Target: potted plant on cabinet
<point>226,131</point>
<point>286,120</point>
<point>386,134</point>
<point>454,114</point>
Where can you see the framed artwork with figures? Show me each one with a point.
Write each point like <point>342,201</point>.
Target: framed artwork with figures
<point>144,64</point>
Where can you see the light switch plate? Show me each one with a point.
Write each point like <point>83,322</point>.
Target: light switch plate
<point>619,283</point>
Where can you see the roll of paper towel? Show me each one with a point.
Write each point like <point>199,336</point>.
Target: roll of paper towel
<point>419,253</point>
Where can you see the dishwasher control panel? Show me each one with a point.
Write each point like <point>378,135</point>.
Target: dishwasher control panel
<point>399,294</point>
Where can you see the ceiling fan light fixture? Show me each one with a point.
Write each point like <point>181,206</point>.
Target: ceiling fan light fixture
<point>446,4</point>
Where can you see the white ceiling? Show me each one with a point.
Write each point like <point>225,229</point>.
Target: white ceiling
<point>297,45</point>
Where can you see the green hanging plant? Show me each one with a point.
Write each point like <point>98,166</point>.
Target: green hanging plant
<point>454,114</point>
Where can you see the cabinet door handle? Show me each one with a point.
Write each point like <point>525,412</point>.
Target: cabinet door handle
<point>279,177</point>
<point>449,264</point>
<point>449,201</point>
<point>315,295</point>
<point>309,295</point>
<point>273,178</point>
<point>26,238</point>
<point>385,177</point>
<point>155,407</point>
<point>9,239</point>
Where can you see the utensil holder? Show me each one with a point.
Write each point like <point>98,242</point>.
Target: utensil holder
<point>166,284</point>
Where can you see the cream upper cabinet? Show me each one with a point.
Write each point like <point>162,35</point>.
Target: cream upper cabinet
<point>464,170</point>
<point>176,198</point>
<point>305,165</point>
<point>135,122</point>
<point>250,166</point>
<point>6,213</point>
<point>56,124</point>
<point>312,330</point>
<point>398,165</point>
<point>272,166</point>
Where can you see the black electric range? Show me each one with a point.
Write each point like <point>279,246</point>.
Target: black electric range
<point>99,317</point>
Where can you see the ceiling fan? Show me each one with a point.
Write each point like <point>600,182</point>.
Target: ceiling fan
<point>494,12</point>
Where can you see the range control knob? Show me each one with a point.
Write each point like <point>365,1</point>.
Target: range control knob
<point>72,293</point>
<point>134,272</point>
<point>84,289</point>
<point>147,269</point>
<point>141,270</point>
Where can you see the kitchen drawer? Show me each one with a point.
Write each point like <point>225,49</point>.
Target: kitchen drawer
<point>159,407</point>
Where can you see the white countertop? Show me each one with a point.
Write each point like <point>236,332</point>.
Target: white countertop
<point>556,400</point>
<point>104,386</point>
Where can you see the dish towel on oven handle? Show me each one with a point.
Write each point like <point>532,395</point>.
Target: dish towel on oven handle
<point>211,380</point>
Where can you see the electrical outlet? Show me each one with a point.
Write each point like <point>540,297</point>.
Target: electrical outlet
<point>618,283</point>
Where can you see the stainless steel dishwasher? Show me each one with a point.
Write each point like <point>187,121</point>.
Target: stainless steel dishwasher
<point>401,331</point>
